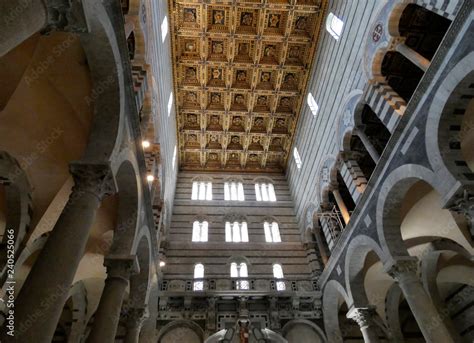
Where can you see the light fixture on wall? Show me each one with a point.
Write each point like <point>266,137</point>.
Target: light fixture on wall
<point>146,144</point>
<point>150,178</point>
<point>162,264</point>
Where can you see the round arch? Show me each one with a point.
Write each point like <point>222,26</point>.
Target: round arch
<point>128,209</point>
<point>140,283</point>
<point>389,202</point>
<point>108,94</point>
<point>18,206</point>
<point>355,259</point>
<point>181,324</point>
<point>333,294</point>
<point>296,322</point>
<point>447,161</point>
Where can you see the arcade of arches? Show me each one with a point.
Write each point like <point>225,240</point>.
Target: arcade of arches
<point>203,171</point>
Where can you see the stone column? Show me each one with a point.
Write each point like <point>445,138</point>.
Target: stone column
<point>404,271</point>
<point>45,291</point>
<point>342,206</point>
<point>107,315</point>
<point>368,145</point>
<point>364,318</point>
<point>135,320</point>
<point>321,247</point>
<point>413,56</point>
<point>22,19</point>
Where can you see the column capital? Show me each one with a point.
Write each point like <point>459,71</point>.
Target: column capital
<point>121,267</point>
<point>402,268</point>
<point>65,15</point>
<point>464,204</point>
<point>95,178</point>
<point>137,316</point>
<point>362,315</point>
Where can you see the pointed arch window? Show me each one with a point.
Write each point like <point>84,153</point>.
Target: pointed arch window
<point>200,231</point>
<point>236,232</point>
<point>272,232</point>
<point>198,277</point>
<point>265,192</point>
<point>334,26</point>
<point>240,271</point>
<point>278,274</point>
<point>201,190</point>
<point>234,191</point>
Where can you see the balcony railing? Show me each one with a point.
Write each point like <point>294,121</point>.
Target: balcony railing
<point>238,284</point>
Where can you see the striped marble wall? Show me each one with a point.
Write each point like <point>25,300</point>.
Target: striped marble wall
<point>182,254</point>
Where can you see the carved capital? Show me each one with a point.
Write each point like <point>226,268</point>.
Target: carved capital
<point>95,178</point>
<point>137,316</point>
<point>464,205</point>
<point>65,15</point>
<point>119,267</point>
<point>362,316</point>
<point>402,269</point>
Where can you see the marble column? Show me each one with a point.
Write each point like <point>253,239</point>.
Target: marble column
<point>368,145</point>
<point>413,56</point>
<point>135,320</point>
<point>44,293</point>
<point>119,270</point>
<point>342,206</point>
<point>404,271</point>
<point>22,19</point>
<point>364,318</point>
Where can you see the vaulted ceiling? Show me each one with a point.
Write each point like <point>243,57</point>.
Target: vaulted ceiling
<point>240,74</point>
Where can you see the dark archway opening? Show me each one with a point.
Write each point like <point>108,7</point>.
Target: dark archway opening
<point>374,129</point>
<point>401,74</point>
<point>423,29</point>
<point>360,154</point>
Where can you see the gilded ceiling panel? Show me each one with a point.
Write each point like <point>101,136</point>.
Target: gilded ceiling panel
<point>240,74</point>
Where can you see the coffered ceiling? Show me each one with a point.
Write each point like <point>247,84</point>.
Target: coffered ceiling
<point>240,73</point>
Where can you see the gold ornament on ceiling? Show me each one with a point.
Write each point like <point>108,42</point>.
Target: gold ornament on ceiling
<point>240,75</point>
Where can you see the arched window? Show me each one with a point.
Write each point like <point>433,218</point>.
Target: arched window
<point>234,191</point>
<point>198,275</point>
<point>272,232</point>
<point>175,154</point>
<point>236,232</point>
<point>239,271</point>
<point>200,231</point>
<point>201,190</point>
<point>170,104</point>
<point>313,105</point>
<point>278,274</point>
<point>334,26</point>
<point>297,158</point>
<point>164,28</point>
<point>265,192</point>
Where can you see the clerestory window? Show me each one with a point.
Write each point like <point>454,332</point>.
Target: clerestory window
<point>201,190</point>
<point>278,274</point>
<point>334,26</point>
<point>239,271</point>
<point>236,232</point>
<point>234,191</point>
<point>200,231</point>
<point>198,277</point>
<point>265,192</point>
<point>272,232</point>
